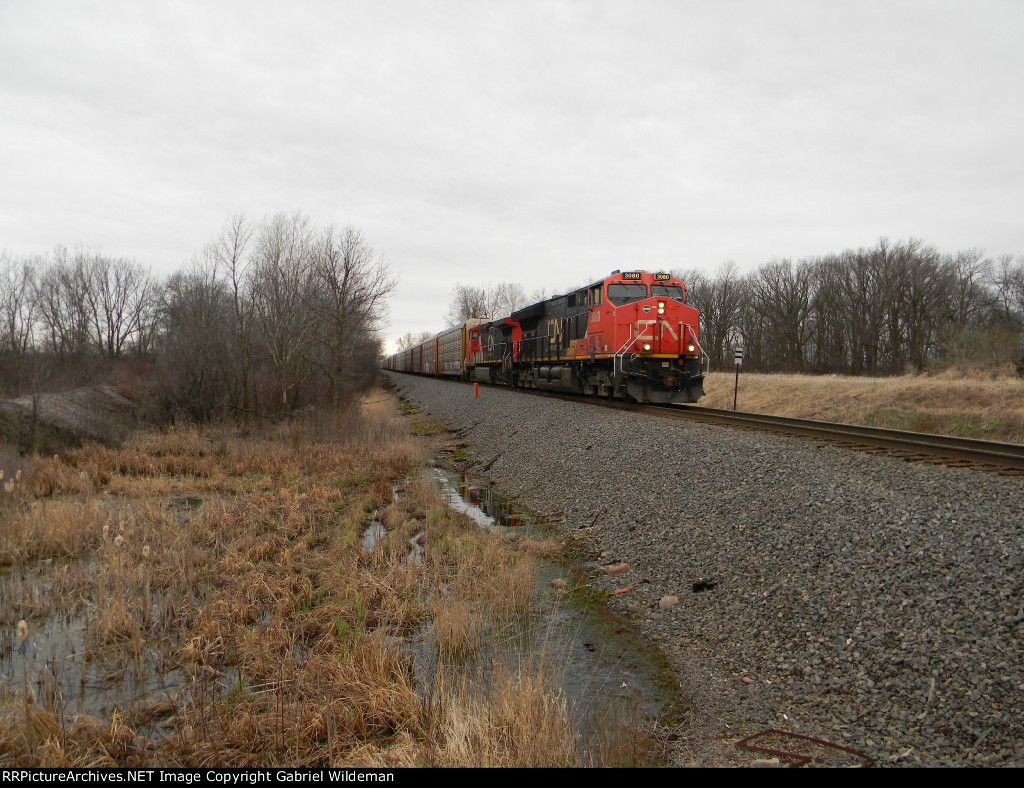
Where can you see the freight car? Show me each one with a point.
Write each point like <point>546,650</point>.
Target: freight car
<point>630,335</point>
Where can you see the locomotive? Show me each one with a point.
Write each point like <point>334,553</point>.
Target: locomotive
<point>631,335</point>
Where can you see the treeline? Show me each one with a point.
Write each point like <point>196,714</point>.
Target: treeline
<point>270,316</point>
<point>484,301</point>
<point>890,309</point>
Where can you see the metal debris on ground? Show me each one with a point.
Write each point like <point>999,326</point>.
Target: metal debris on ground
<point>798,750</point>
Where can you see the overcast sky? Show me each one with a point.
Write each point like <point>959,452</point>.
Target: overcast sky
<point>546,143</point>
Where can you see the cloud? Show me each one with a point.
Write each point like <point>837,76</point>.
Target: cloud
<point>484,141</point>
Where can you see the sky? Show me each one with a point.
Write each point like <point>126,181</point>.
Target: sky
<point>546,143</point>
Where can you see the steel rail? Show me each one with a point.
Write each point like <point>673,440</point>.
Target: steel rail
<point>917,444</point>
<point>1005,458</point>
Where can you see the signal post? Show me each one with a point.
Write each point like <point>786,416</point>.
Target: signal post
<point>739,363</point>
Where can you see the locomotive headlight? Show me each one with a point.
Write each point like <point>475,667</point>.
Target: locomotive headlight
<point>691,347</point>
<point>647,347</point>
<point>661,307</point>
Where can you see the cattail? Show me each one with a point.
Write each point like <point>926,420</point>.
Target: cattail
<point>119,541</point>
<point>22,630</point>
<point>1,474</point>
<point>17,475</point>
<point>145,552</point>
<point>106,531</point>
<point>9,486</point>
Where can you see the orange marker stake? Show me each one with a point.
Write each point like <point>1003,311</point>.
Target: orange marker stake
<point>476,389</point>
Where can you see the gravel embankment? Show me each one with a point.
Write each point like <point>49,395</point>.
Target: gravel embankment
<point>50,422</point>
<point>861,599</point>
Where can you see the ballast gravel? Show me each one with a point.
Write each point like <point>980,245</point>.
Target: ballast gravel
<point>860,599</point>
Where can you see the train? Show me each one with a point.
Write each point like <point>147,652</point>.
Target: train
<point>628,336</point>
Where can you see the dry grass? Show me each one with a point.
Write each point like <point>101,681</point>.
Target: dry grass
<point>518,718</point>
<point>976,405</point>
<point>229,561</point>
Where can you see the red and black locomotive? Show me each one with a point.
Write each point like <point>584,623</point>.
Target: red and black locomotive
<point>629,335</point>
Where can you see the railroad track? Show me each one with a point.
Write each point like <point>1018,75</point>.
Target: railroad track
<point>1003,458</point>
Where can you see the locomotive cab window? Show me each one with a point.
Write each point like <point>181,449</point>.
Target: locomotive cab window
<point>595,296</point>
<point>625,294</point>
<point>671,291</point>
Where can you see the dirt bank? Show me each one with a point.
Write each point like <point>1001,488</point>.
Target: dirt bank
<point>48,422</point>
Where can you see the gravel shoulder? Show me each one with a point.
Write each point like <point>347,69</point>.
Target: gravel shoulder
<point>861,599</point>
<point>50,422</point>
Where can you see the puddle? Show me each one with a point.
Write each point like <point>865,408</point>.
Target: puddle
<point>185,503</point>
<point>374,532</point>
<point>416,553</point>
<point>475,497</point>
<point>592,660</point>
<point>55,665</point>
<point>58,664</point>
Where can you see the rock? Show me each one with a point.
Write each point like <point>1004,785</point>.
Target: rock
<point>668,601</point>
<point>558,583</point>
<point>616,569</point>
<point>769,763</point>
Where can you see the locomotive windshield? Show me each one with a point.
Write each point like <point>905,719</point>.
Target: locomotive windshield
<point>671,291</point>
<point>624,294</point>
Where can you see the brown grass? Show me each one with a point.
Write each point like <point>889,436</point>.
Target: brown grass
<point>229,560</point>
<point>976,405</point>
<point>518,718</point>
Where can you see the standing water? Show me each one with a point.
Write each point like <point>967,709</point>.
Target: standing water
<point>595,661</point>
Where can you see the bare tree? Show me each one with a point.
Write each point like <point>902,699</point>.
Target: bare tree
<point>506,297</point>
<point>230,253</point>
<point>412,340</point>
<point>62,302</point>
<point>467,301</point>
<point>969,296</point>
<point>719,301</point>
<point>350,284</point>
<point>781,295</point>
<point>488,302</point>
<point>119,295</point>
<point>17,319</point>
<point>280,278</point>
<point>195,347</point>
